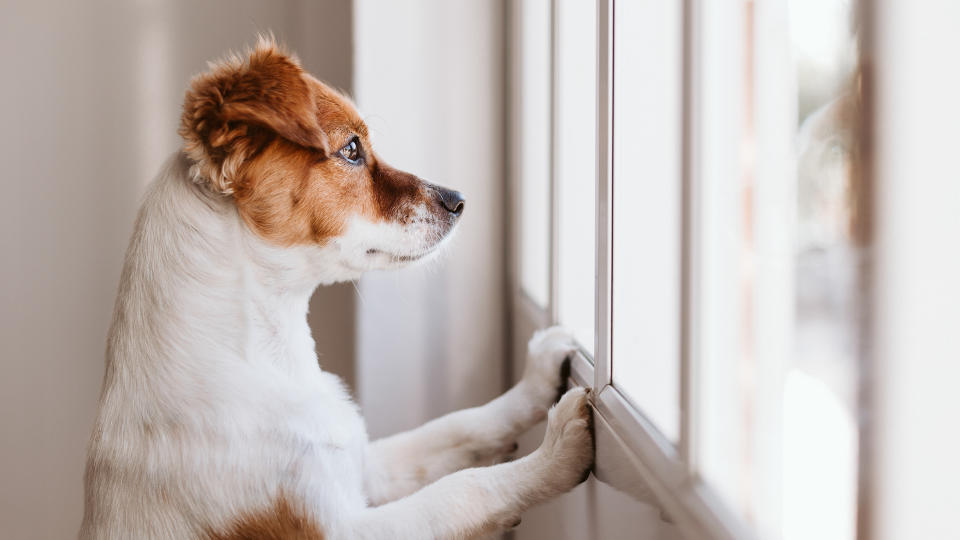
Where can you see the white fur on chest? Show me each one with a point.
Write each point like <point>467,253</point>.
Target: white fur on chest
<point>213,399</point>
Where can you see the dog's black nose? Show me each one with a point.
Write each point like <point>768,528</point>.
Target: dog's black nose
<point>451,200</point>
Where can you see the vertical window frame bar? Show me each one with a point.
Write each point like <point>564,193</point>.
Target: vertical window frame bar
<point>689,265</point>
<point>603,362</point>
<point>553,310</point>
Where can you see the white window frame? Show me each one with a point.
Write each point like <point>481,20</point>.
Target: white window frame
<point>663,468</point>
<point>632,454</point>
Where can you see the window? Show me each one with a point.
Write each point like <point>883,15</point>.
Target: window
<point>704,214</point>
<point>534,108</point>
<point>575,165</point>
<point>779,261</point>
<point>646,198</point>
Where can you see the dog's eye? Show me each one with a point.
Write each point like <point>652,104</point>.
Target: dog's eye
<point>351,152</point>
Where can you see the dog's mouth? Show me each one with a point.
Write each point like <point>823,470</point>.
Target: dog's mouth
<point>396,257</point>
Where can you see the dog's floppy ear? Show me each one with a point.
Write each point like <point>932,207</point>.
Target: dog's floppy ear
<point>239,98</point>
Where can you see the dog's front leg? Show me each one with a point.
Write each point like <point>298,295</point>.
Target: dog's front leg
<point>403,463</point>
<point>479,501</point>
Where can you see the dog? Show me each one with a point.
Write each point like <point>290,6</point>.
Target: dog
<point>215,419</point>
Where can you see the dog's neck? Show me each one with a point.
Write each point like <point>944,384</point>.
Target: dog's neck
<point>199,288</point>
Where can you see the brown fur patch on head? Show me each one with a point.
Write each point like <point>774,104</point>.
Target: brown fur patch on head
<point>280,522</point>
<point>230,112</point>
<point>291,194</point>
<point>268,133</point>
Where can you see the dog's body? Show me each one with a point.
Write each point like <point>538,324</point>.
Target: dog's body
<point>216,420</point>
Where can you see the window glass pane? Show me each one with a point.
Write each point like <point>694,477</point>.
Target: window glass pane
<point>781,247</point>
<point>647,183</point>
<point>534,151</point>
<point>723,415</point>
<point>820,384</point>
<point>575,164</point>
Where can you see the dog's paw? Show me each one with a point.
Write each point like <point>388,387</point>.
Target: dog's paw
<point>548,363</point>
<point>567,448</point>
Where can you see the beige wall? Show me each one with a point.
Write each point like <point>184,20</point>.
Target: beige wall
<point>89,103</point>
<point>912,443</point>
<point>429,80</point>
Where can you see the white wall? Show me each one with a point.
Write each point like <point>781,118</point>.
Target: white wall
<point>429,80</point>
<point>913,454</point>
<point>89,105</point>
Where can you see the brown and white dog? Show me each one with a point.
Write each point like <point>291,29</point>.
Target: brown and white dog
<point>216,420</point>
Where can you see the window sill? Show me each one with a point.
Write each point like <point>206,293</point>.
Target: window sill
<point>633,457</point>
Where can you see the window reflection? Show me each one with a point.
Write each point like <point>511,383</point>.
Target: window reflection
<point>820,387</point>
<point>781,249</point>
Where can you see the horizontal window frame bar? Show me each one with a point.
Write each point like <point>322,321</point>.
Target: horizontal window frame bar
<point>659,475</point>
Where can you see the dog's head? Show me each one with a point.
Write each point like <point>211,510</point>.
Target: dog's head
<point>296,158</point>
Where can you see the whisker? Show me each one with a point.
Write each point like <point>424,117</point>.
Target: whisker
<point>360,296</point>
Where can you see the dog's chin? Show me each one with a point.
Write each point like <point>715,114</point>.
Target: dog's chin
<point>387,259</point>
<point>385,250</point>
<point>374,260</point>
